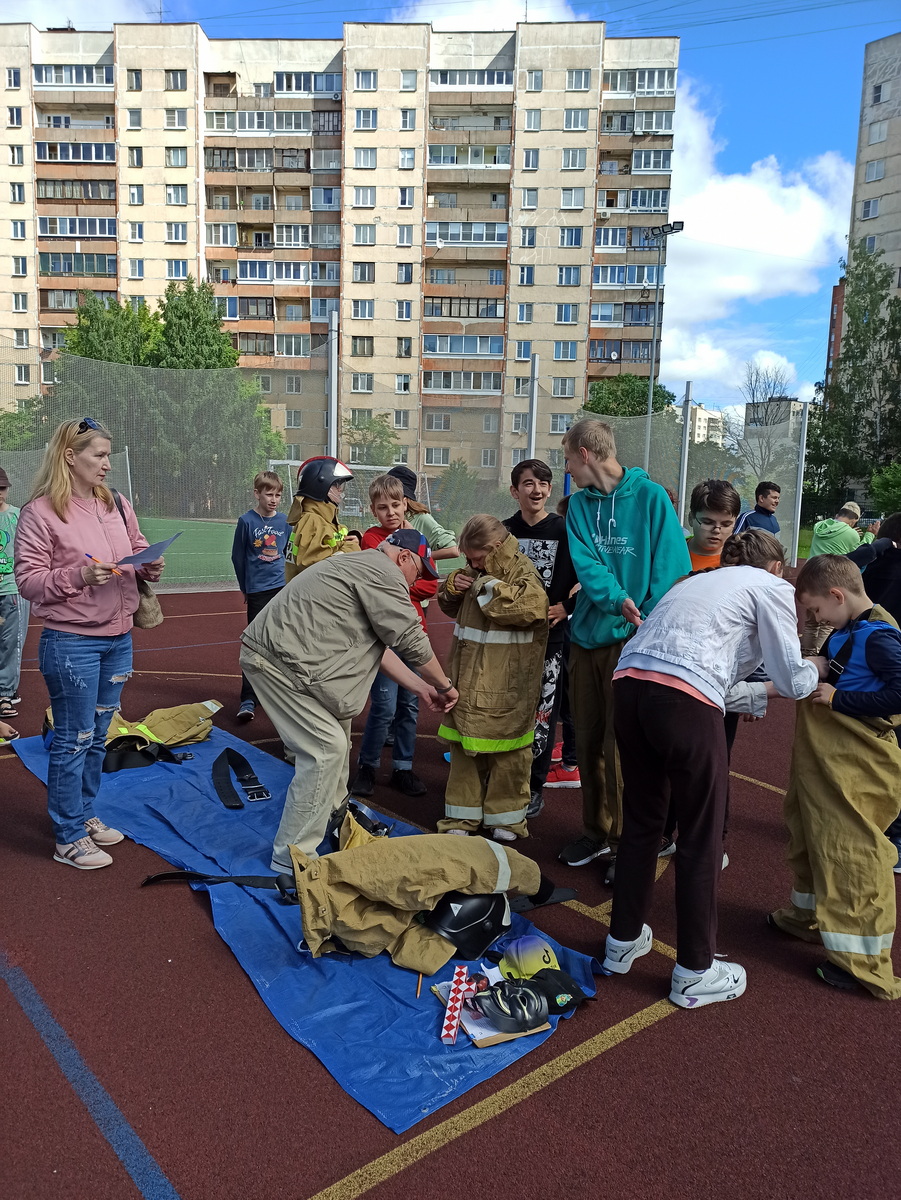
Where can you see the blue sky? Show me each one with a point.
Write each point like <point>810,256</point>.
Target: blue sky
<point>764,144</point>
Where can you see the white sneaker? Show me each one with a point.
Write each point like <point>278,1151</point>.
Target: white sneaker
<point>101,833</point>
<point>83,854</point>
<point>723,981</point>
<point>503,835</point>
<point>725,861</point>
<point>458,832</point>
<point>618,959</point>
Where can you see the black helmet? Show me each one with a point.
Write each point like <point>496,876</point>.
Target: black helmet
<point>317,476</point>
<point>471,923</point>
<point>513,1006</point>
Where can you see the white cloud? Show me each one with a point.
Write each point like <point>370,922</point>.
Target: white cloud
<point>84,14</point>
<point>475,14</point>
<point>750,236</point>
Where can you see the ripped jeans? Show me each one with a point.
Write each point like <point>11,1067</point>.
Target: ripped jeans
<point>84,676</point>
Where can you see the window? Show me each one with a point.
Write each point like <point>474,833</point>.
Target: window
<point>570,236</point>
<point>88,227</point>
<point>878,132</point>
<point>220,235</point>
<point>14,117</point>
<point>524,314</point>
<point>881,92</point>
<point>75,151</point>
<point>569,276</point>
<point>20,300</point>
<point>489,422</point>
<point>563,385</point>
<point>364,235</point>
<point>293,416</point>
<point>442,275</point>
<point>489,458</point>
<point>527,235</point>
<point>401,416</point>
<point>653,122</point>
<point>364,272</point>
<point>613,237</point>
<point>491,345</point>
<point>361,347</point>
<point>177,231</point>
<point>529,198</point>
<point>134,118</point>
<point>405,235</point>
<point>575,118</point>
<point>294,387</point>
<point>533,119</point>
<point>77,75</point>
<point>20,339</point>
<point>534,81</point>
<point>526,276</point>
<point>438,422</point>
<point>523,351</point>
<point>135,156</point>
<point>606,314</point>
<point>308,81</point>
<point>134,81</point>
<point>875,170</point>
<point>366,81</point>
<point>20,266</point>
<point>366,118</point>
<point>13,77</point>
<point>565,351</point>
<point>404,347</point>
<point>402,384</point>
<point>23,373</point>
<point>176,81</point>
<point>16,156</point>
<point>530,160</point>
<point>871,244</point>
<point>567,314</point>
<point>462,306</point>
<point>870,209</point>
<point>365,158</point>
<point>437,456</point>
<point>408,118</point>
<point>321,309</point>
<point>136,268</point>
<point>405,197</point>
<point>18,231</point>
<point>496,277</point>
<point>408,81</point>
<point>572,197</point>
<point>406,159</point>
<point>262,89</point>
<point>17,193</point>
<point>176,193</point>
<point>362,310</point>
<point>361,381</point>
<point>652,160</point>
<point>364,197</point>
<point>649,199</point>
<point>404,272</point>
<point>53,339</point>
<point>573,160</point>
<point>578,81</point>
<point>176,156</point>
<point>461,381</point>
<point>176,268</point>
<point>562,422</point>
<point>654,82</point>
<point>176,118</point>
<point>521,419</point>
<point>404,310</point>
<point>292,345</point>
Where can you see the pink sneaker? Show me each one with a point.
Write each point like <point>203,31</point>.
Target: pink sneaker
<point>563,777</point>
<point>101,834</point>
<point>83,854</point>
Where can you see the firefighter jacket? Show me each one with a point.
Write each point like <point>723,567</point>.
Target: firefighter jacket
<point>316,534</point>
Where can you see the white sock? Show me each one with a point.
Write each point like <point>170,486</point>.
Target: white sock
<point>618,945</point>
<point>685,973</point>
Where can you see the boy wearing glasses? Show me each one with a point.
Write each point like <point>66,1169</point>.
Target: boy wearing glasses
<point>713,509</point>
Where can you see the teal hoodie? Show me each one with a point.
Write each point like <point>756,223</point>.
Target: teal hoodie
<point>625,544</point>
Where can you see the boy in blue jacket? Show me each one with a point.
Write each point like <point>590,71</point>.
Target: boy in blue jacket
<point>628,549</point>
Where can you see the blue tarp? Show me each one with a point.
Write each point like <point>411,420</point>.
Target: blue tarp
<point>359,1016</point>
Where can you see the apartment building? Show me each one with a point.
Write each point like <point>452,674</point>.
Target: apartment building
<point>876,205</point>
<point>705,426</point>
<point>463,201</point>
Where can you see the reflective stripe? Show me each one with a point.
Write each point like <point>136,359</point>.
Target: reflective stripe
<point>806,900</point>
<point>495,637</point>
<point>853,943</point>
<point>503,865</point>
<point>462,813</point>
<point>486,745</point>
<point>147,733</point>
<point>504,818</point>
<point>486,595</point>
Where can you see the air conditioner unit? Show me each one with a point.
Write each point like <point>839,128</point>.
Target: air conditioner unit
<point>603,214</point>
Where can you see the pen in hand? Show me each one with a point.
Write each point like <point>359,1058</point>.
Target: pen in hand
<point>100,560</point>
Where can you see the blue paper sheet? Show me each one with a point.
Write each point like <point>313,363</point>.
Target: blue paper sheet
<point>359,1016</point>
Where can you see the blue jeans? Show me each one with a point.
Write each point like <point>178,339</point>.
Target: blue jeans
<point>390,702</point>
<point>84,676</point>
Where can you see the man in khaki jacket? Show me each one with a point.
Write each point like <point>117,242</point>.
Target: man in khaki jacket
<point>312,655</point>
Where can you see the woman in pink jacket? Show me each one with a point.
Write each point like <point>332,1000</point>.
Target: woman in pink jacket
<point>69,539</point>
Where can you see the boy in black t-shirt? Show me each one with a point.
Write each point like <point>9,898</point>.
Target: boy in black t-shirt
<point>542,538</point>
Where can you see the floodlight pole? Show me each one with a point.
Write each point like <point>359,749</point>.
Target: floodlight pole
<point>661,233</point>
<point>686,443</point>
<point>799,483</point>
<point>533,405</point>
<point>333,384</point>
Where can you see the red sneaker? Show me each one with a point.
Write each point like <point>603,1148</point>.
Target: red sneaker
<point>563,777</point>
<point>557,753</point>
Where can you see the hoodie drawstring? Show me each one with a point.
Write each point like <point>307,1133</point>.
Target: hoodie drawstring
<point>611,522</point>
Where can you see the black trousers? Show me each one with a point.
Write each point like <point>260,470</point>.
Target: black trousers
<point>256,602</point>
<point>730,724</point>
<point>672,751</point>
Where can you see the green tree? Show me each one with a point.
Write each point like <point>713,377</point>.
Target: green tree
<point>375,440</point>
<point>626,396</point>
<point>885,488</point>
<point>113,332</point>
<point>457,494</point>
<point>192,334</point>
<point>20,430</point>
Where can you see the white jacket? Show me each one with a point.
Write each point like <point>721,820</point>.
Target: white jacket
<point>714,629</point>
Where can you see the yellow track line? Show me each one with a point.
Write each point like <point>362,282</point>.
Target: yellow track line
<point>750,779</point>
<point>417,1148</point>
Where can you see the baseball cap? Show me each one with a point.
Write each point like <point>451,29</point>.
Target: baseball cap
<point>4,478</point>
<point>407,479</point>
<point>852,506</point>
<point>412,540</point>
<point>526,956</point>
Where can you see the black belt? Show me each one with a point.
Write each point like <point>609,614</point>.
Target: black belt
<point>230,760</point>
<point>283,884</point>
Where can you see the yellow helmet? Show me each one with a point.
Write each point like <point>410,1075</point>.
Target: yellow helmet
<point>526,956</point>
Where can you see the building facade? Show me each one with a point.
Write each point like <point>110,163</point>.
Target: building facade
<point>463,201</point>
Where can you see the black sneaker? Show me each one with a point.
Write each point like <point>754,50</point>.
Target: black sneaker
<point>364,783</point>
<point>536,804</point>
<point>610,873</point>
<point>837,977</point>
<point>407,782</point>
<point>580,852</point>
<point>667,847</point>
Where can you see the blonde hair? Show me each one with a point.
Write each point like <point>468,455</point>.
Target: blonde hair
<point>596,436</point>
<point>416,506</point>
<point>54,478</point>
<point>819,575</point>
<point>481,532</point>
<point>385,487</point>
<point>269,481</point>
<point>753,548</point>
